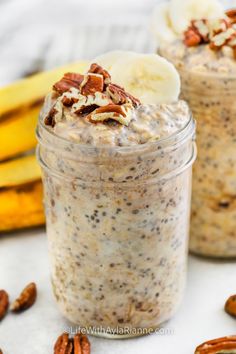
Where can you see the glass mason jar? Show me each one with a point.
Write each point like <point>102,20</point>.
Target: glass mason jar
<point>211,97</point>
<point>117,225</point>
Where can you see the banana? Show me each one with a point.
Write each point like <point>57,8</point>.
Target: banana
<point>30,91</point>
<point>21,206</point>
<point>19,171</point>
<point>181,12</point>
<point>107,60</point>
<point>20,104</point>
<point>148,77</point>
<point>17,134</point>
<point>161,25</point>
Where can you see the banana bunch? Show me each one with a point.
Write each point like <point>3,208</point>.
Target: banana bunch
<point>20,177</point>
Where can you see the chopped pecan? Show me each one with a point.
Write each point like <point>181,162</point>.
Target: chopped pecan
<point>77,345</point>
<point>26,299</point>
<point>92,83</point>
<point>201,27</point>
<point>223,38</point>
<point>230,305</point>
<point>120,96</point>
<point>69,101</point>
<point>191,37</point>
<point>97,69</point>
<point>232,15</point>
<point>113,108</point>
<point>219,345</point>
<point>68,81</point>
<point>4,303</point>
<point>49,119</point>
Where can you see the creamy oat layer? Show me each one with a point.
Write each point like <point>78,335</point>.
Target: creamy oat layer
<point>117,218</point>
<point>200,58</point>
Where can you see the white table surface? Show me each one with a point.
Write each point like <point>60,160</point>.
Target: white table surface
<point>23,258</point>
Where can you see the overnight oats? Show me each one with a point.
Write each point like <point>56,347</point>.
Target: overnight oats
<point>203,49</point>
<point>117,184</point>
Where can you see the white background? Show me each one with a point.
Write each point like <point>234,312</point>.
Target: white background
<point>38,34</point>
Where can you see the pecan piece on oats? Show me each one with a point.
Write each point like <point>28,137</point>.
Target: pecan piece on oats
<point>230,306</point>
<point>92,83</point>
<point>191,37</point>
<point>68,81</point>
<point>231,13</point>
<point>97,69</point>
<point>120,96</point>
<point>77,345</point>
<point>49,119</point>
<point>26,299</point>
<point>4,303</point>
<point>219,345</point>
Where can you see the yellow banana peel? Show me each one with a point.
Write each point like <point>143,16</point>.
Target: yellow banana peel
<point>19,171</point>
<point>30,91</point>
<point>21,206</point>
<point>21,191</point>
<point>20,104</point>
<point>17,134</point>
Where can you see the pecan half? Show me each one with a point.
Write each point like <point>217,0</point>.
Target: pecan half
<point>69,80</point>
<point>219,345</point>
<point>231,13</point>
<point>230,305</point>
<point>97,69</point>
<point>81,344</point>
<point>77,345</point>
<point>4,303</point>
<point>63,345</point>
<point>92,83</point>
<point>26,299</point>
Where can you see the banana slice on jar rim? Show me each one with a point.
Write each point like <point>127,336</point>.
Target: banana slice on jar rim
<point>149,77</point>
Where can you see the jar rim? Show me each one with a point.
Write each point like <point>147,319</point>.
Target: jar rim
<point>187,130</point>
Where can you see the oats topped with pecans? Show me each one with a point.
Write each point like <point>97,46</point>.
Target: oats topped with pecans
<point>92,97</point>
<point>218,33</point>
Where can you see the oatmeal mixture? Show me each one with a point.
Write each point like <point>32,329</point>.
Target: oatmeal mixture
<point>208,72</point>
<point>117,193</point>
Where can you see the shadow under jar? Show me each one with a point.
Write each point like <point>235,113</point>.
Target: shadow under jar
<point>117,225</point>
<point>212,99</point>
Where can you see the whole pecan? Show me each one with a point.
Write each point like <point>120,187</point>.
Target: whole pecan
<point>4,303</point>
<point>77,345</point>
<point>219,345</point>
<point>26,299</point>
<point>230,305</point>
<point>97,69</point>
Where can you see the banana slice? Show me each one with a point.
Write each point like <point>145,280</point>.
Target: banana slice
<point>148,77</point>
<point>183,11</point>
<point>161,25</point>
<point>107,60</point>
